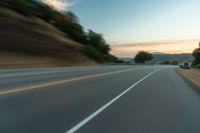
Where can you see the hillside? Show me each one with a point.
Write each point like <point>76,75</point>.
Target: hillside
<point>160,58</point>
<point>27,42</point>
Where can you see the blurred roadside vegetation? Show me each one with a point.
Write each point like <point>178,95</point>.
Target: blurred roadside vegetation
<point>175,62</point>
<point>67,22</point>
<point>196,54</point>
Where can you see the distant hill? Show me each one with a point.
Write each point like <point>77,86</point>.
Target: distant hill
<point>126,59</point>
<point>160,58</point>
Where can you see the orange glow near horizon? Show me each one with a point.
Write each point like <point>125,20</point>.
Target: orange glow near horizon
<point>165,47</point>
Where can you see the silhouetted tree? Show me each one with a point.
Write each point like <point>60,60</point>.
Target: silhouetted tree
<point>143,56</point>
<point>175,62</point>
<point>196,54</point>
<point>97,41</point>
<point>165,63</point>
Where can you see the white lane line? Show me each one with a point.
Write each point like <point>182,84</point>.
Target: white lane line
<point>42,85</point>
<point>38,73</point>
<point>43,72</point>
<point>90,117</point>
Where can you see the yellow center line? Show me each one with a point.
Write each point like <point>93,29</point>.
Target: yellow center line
<point>31,87</point>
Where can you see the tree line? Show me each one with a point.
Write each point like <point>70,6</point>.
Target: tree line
<point>143,56</point>
<point>196,55</point>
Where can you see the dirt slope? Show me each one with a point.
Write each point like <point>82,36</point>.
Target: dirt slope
<point>31,42</point>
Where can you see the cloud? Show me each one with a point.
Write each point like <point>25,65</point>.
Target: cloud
<point>60,5</point>
<point>156,43</point>
<point>171,47</point>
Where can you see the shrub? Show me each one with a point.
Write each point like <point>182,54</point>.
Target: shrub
<point>196,54</point>
<point>197,66</point>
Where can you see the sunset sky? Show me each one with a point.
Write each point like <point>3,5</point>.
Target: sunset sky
<point>167,26</point>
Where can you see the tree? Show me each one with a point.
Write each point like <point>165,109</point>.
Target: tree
<point>175,62</point>
<point>196,54</point>
<point>143,56</point>
<point>98,49</point>
<point>97,41</point>
<point>166,63</point>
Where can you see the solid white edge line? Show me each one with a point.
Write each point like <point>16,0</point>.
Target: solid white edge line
<point>90,117</point>
<point>38,73</point>
<point>19,74</point>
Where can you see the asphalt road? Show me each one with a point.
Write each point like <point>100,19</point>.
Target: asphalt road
<point>102,99</point>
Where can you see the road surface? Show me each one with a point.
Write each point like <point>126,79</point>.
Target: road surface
<point>101,99</point>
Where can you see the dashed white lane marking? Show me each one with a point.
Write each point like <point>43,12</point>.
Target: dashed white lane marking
<point>90,117</point>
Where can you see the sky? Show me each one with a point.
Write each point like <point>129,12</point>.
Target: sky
<point>166,26</point>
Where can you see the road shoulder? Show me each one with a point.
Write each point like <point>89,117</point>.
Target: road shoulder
<point>192,77</point>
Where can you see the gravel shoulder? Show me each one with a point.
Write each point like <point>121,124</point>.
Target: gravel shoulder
<point>192,74</point>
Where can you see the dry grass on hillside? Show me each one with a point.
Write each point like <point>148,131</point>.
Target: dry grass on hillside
<point>33,42</point>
